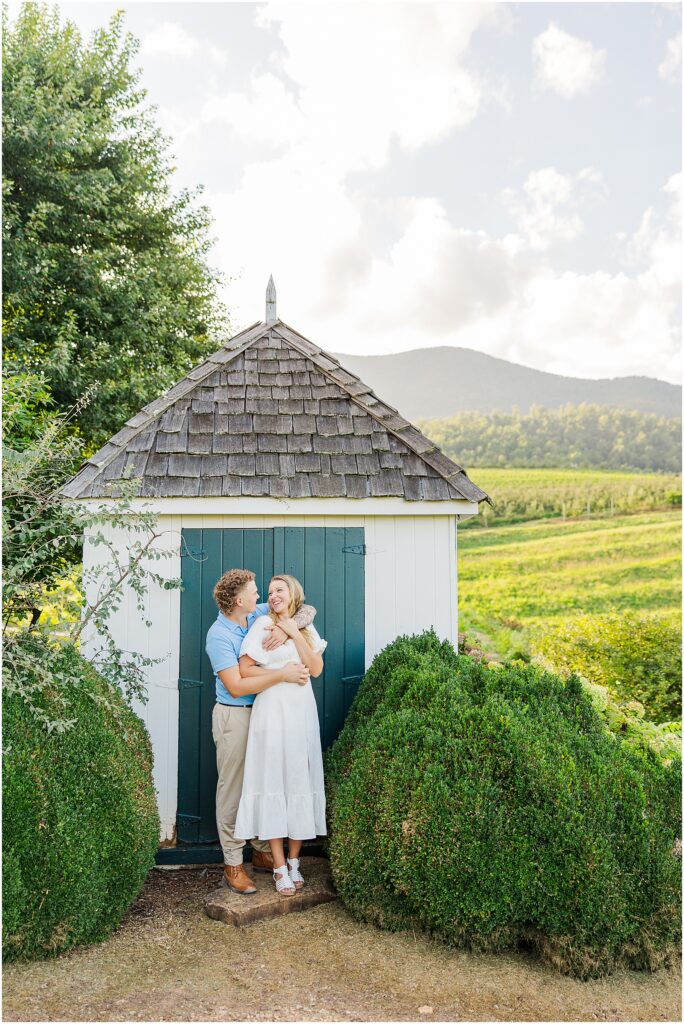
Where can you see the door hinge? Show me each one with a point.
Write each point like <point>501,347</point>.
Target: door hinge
<point>197,555</point>
<point>187,684</point>
<point>354,549</point>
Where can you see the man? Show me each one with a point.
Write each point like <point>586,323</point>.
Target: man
<point>236,595</point>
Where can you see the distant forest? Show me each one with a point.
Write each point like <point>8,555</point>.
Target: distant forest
<point>572,437</point>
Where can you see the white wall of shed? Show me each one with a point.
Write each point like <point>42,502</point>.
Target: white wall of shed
<point>410,585</point>
<point>411,578</point>
<point>161,640</point>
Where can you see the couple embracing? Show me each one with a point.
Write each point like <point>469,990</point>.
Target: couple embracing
<point>265,727</point>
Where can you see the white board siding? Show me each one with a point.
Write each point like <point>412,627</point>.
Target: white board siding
<point>127,625</point>
<point>410,579</point>
<point>410,585</point>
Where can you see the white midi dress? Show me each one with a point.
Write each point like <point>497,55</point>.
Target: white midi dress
<point>282,790</point>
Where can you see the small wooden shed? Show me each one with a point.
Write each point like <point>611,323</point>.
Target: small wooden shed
<point>271,456</point>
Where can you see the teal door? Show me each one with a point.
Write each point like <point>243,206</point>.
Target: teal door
<point>329,562</point>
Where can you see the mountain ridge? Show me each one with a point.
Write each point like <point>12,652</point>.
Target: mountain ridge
<point>439,382</point>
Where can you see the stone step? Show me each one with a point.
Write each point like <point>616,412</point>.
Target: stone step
<point>223,905</point>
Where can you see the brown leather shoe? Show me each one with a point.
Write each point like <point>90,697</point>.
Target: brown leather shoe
<point>237,880</point>
<point>262,861</point>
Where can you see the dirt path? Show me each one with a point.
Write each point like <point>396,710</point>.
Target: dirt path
<point>169,962</point>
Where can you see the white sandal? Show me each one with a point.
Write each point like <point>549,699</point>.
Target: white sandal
<point>283,882</point>
<point>295,874</point>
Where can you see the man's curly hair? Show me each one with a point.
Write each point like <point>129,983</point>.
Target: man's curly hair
<point>229,586</point>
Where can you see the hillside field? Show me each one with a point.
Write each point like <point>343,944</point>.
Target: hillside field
<point>517,577</point>
<point>523,494</point>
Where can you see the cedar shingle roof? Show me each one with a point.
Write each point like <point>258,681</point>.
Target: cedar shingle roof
<point>271,414</point>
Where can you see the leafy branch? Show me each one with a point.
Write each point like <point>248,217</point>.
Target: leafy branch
<point>43,538</point>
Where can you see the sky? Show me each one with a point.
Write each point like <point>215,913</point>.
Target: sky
<point>501,177</point>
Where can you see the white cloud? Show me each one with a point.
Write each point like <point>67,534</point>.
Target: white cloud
<point>172,40</point>
<point>670,68</point>
<point>268,113</point>
<point>406,82</point>
<point>288,219</point>
<point>657,246</point>
<point>565,64</point>
<point>359,272</point>
<point>183,130</point>
<point>546,212</point>
<point>295,214</point>
<point>608,324</point>
<point>437,276</point>
<point>439,284</point>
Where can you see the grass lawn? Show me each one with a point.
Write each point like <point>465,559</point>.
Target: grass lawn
<point>519,576</point>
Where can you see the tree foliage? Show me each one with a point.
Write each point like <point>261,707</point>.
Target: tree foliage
<point>42,538</point>
<point>572,437</point>
<point>105,270</point>
<point>635,657</point>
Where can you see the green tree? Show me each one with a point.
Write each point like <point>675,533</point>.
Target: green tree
<point>41,534</point>
<point>572,437</point>
<point>41,541</point>
<point>106,279</point>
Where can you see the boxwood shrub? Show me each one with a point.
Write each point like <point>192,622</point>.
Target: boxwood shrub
<point>80,821</point>
<point>491,807</point>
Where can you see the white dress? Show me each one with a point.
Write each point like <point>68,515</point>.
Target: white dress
<point>282,789</point>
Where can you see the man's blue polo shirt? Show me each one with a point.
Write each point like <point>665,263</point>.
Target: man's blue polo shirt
<point>224,640</point>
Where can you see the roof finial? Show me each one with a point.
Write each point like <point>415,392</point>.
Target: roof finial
<point>271,314</point>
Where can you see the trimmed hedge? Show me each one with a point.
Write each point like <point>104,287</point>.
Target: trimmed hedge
<point>80,821</point>
<point>490,806</point>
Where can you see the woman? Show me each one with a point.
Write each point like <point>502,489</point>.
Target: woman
<point>282,789</point>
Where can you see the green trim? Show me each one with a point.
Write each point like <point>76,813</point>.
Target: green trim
<point>330,563</point>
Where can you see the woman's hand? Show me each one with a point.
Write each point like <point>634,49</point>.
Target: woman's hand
<point>289,626</point>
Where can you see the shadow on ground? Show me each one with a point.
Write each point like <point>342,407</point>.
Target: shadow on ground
<point>170,962</point>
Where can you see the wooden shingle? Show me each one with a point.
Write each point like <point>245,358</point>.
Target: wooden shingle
<point>270,413</point>
<point>141,442</point>
<point>228,444</point>
<point>271,443</point>
<point>214,465</point>
<point>199,444</point>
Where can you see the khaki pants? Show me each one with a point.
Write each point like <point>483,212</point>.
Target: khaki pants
<point>229,727</point>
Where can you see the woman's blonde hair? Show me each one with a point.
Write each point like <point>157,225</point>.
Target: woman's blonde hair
<point>296,601</point>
